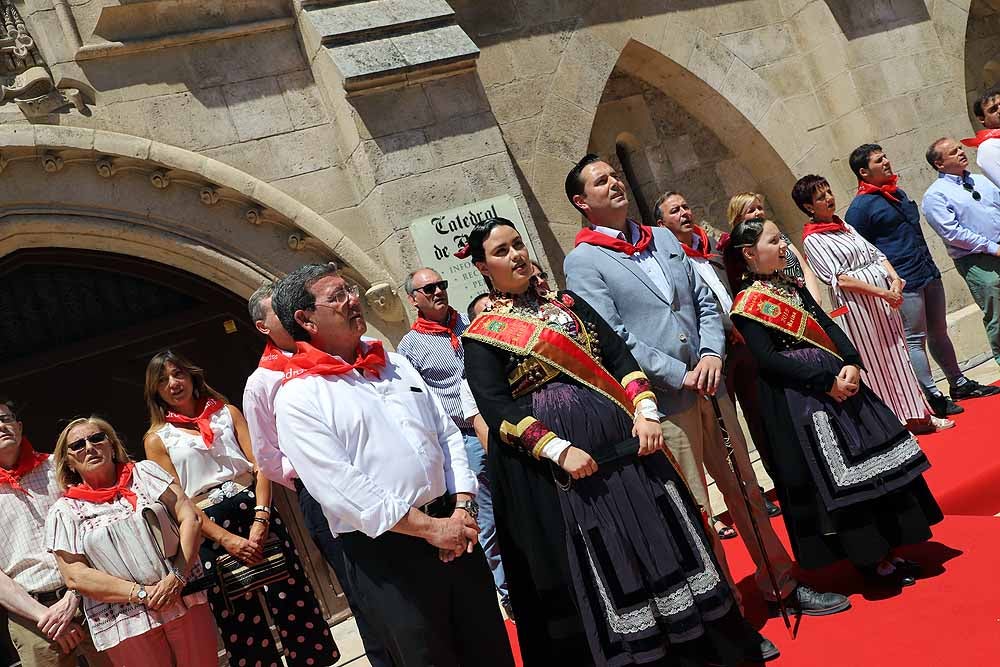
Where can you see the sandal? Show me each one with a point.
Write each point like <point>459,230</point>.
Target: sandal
<point>726,532</point>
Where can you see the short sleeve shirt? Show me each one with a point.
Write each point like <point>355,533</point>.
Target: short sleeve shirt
<point>23,553</point>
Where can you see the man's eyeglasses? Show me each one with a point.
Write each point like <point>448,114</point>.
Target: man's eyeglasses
<point>430,288</point>
<point>971,188</point>
<point>8,419</point>
<point>340,297</point>
<point>94,439</point>
<point>541,275</point>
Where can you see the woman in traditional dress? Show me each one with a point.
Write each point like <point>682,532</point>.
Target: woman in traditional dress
<point>746,206</point>
<point>848,475</point>
<point>205,444</point>
<point>610,561</point>
<point>132,595</point>
<point>867,291</point>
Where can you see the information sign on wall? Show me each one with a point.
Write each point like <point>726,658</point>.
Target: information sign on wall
<point>439,236</point>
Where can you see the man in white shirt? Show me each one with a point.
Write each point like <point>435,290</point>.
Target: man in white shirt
<point>258,408</point>
<point>44,623</point>
<point>373,445</point>
<point>987,141</point>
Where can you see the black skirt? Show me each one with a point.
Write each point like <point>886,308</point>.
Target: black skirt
<point>848,475</point>
<point>618,562</point>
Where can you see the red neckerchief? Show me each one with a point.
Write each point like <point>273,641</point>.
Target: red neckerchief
<point>273,359</point>
<point>202,421</point>
<point>309,360</point>
<point>107,494</point>
<point>702,250</point>
<point>812,227</point>
<point>888,190</point>
<point>27,460</point>
<point>981,136</point>
<point>428,326</point>
<point>594,237</point>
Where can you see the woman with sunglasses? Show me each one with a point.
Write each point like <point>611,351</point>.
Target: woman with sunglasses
<point>106,552</point>
<point>205,444</point>
<point>607,556</point>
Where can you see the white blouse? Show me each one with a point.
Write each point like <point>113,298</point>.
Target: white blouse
<point>114,539</point>
<point>199,466</point>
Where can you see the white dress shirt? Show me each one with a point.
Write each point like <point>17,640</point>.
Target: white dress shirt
<point>24,556</point>
<point>988,159</point>
<point>369,449</point>
<point>258,408</point>
<point>644,260</point>
<point>711,278</point>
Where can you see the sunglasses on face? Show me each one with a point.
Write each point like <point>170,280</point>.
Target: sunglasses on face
<point>969,188</point>
<point>94,439</point>
<point>542,275</point>
<point>8,419</point>
<point>430,288</point>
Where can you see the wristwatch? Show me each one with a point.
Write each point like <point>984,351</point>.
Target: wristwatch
<point>470,506</point>
<point>142,594</point>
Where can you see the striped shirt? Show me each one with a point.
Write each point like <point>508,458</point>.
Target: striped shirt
<point>871,323</point>
<point>24,556</point>
<point>440,365</point>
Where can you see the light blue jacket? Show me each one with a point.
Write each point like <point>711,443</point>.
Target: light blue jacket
<point>668,334</point>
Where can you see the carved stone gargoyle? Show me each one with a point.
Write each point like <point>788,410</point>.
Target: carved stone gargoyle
<point>24,78</point>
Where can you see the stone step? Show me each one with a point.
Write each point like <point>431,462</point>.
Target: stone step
<point>345,23</point>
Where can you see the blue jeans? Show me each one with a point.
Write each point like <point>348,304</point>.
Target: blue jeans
<point>487,524</point>
<point>924,319</point>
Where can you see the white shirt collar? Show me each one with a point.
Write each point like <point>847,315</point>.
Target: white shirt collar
<point>633,230</point>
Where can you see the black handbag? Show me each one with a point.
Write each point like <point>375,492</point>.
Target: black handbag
<point>237,579</point>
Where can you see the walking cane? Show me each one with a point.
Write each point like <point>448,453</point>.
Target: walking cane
<point>753,522</point>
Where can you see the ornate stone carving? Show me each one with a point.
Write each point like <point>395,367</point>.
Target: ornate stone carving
<point>159,179</point>
<point>209,196</point>
<point>254,215</point>
<point>106,167</point>
<point>296,241</point>
<point>52,163</point>
<point>381,297</point>
<point>24,78</point>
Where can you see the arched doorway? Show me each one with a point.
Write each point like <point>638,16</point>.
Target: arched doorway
<point>77,328</point>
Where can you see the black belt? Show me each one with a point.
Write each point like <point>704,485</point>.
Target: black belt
<point>49,597</point>
<point>439,508</point>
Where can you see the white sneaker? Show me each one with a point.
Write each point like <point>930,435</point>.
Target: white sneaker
<point>940,424</point>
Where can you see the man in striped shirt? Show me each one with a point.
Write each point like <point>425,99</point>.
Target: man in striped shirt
<point>435,350</point>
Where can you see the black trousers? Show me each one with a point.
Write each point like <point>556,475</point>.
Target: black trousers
<point>429,613</point>
<point>333,552</point>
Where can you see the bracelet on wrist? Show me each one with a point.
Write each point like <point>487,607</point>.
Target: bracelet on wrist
<point>131,592</point>
<point>258,519</point>
<point>262,508</point>
<point>178,576</point>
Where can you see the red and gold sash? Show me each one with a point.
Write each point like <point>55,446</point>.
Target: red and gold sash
<point>766,307</point>
<point>530,337</point>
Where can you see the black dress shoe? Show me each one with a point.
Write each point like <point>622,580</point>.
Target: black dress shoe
<point>767,651</point>
<point>814,603</point>
<point>907,567</point>
<point>769,507</point>
<point>972,389</point>
<point>942,406</point>
<point>898,578</point>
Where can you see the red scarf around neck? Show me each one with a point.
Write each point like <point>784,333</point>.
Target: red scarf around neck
<point>27,460</point>
<point>428,326</point>
<point>888,190</point>
<point>109,493</point>
<point>981,136</point>
<point>309,360</point>
<point>273,358</point>
<point>594,237</point>
<point>812,227</point>
<point>702,250</point>
<point>202,421</point>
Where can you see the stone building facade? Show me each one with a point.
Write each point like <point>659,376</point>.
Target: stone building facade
<point>232,140</point>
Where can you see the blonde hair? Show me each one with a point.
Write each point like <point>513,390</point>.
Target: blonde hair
<point>65,475</point>
<point>739,204</point>
<point>154,371</point>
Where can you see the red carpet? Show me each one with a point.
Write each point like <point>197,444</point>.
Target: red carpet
<point>965,461</point>
<point>950,618</point>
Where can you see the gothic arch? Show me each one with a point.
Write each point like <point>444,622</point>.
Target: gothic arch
<point>701,73</point>
<point>79,188</point>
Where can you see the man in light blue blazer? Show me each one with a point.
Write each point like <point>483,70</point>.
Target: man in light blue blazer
<point>640,280</point>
